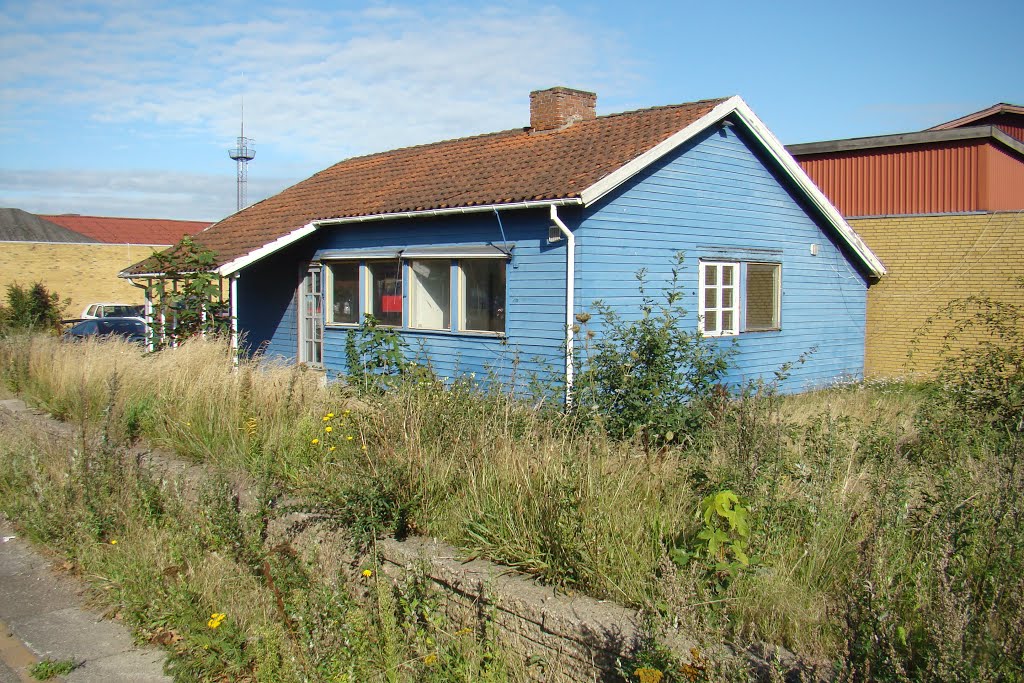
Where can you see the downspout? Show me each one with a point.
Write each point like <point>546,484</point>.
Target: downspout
<point>233,294</point>
<point>570,297</point>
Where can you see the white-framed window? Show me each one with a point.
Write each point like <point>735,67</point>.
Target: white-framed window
<point>384,290</point>
<point>343,290</point>
<point>717,307</point>
<point>357,286</point>
<point>725,307</point>
<point>430,294</point>
<point>482,295</point>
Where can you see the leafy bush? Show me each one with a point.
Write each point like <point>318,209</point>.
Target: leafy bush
<point>653,376</point>
<point>187,299</point>
<point>31,308</point>
<point>982,357</point>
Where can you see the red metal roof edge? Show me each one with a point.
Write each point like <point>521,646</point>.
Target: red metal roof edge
<point>998,108</point>
<point>963,134</point>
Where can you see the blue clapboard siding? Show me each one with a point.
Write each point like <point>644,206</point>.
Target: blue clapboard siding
<point>535,307</point>
<point>267,302</point>
<point>716,198</point>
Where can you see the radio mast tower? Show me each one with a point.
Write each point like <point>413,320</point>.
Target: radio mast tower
<point>243,153</point>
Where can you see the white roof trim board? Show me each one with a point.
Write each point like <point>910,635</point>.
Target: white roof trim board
<point>283,241</point>
<point>733,105</point>
<point>773,146</point>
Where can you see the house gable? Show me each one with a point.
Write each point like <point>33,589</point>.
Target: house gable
<point>720,197</point>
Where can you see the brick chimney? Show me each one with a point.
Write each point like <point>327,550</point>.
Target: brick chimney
<point>557,108</point>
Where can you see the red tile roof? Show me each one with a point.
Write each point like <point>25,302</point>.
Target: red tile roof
<point>152,231</point>
<point>498,168</point>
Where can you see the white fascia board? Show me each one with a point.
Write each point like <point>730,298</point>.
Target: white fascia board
<point>283,241</point>
<point>624,173</point>
<point>811,191</point>
<point>266,250</point>
<point>775,148</point>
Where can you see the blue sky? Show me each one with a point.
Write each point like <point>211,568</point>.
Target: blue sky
<point>129,108</point>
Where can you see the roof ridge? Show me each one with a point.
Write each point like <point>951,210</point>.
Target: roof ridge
<point>514,131</point>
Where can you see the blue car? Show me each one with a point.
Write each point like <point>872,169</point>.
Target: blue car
<point>132,329</point>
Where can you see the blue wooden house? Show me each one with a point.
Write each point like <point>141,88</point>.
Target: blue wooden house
<point>480,251</point>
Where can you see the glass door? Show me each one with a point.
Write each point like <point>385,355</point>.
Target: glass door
<point>311,317</point>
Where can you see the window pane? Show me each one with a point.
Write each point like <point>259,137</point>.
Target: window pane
<point>727,321</point>
<point>345,292</point>
<point>727,298</point>
<point>711,321</point>
<point>711,298</point>
<point>710,275</point>
<point>484,295</point>
<point>386,291</point>
<point>762,296</point>
<point>430,294</point>
<point>727,275</point>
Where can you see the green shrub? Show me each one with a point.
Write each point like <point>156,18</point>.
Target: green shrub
<point>653,376</point>
<point>31,308</point>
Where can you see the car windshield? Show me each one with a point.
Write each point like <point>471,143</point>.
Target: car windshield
<point>122,327</point>
<point>113,311</point>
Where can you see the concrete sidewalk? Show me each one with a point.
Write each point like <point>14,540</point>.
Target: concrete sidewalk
<point>42,615</point>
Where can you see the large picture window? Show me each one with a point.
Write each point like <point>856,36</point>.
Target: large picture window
<point>483,295</point>
<point>725,308</point>
<point>430,294</point>
<point>385,280</point>
<point>374,286</point>
<point>344,290</point>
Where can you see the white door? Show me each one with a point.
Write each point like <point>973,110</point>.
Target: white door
<point>311,317</point>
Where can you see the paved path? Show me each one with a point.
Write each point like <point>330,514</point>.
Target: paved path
<point>42,616</point>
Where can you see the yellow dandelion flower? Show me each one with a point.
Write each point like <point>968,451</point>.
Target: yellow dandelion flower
<point>346,412</point>
<point>328,429</point>
<point>349,438</point>
<point>431,659</point>
<point>367,573</point>
<point>113,541</point>
<point>326,419</point>
<point>216,619</point>
<point>332,448</point>
<point>315,441</point>
<point>364,446</point>
<point>329,416</point>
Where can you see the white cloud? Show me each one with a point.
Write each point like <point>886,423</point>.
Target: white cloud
<point>323,84</point>
<point>142,194</point>
<point>319,86</point>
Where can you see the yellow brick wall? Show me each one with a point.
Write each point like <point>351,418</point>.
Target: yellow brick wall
<point>85,273</point>
<point>932,260</point>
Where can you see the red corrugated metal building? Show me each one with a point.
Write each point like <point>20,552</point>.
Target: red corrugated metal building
<point>944,210</point>
<point>975,163</point>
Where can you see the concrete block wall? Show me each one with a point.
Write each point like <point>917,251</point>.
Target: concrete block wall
<point>932,260</point>
<point>85,273</point>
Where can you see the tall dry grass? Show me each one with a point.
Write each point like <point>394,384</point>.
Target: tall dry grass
<point>861,497</point>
